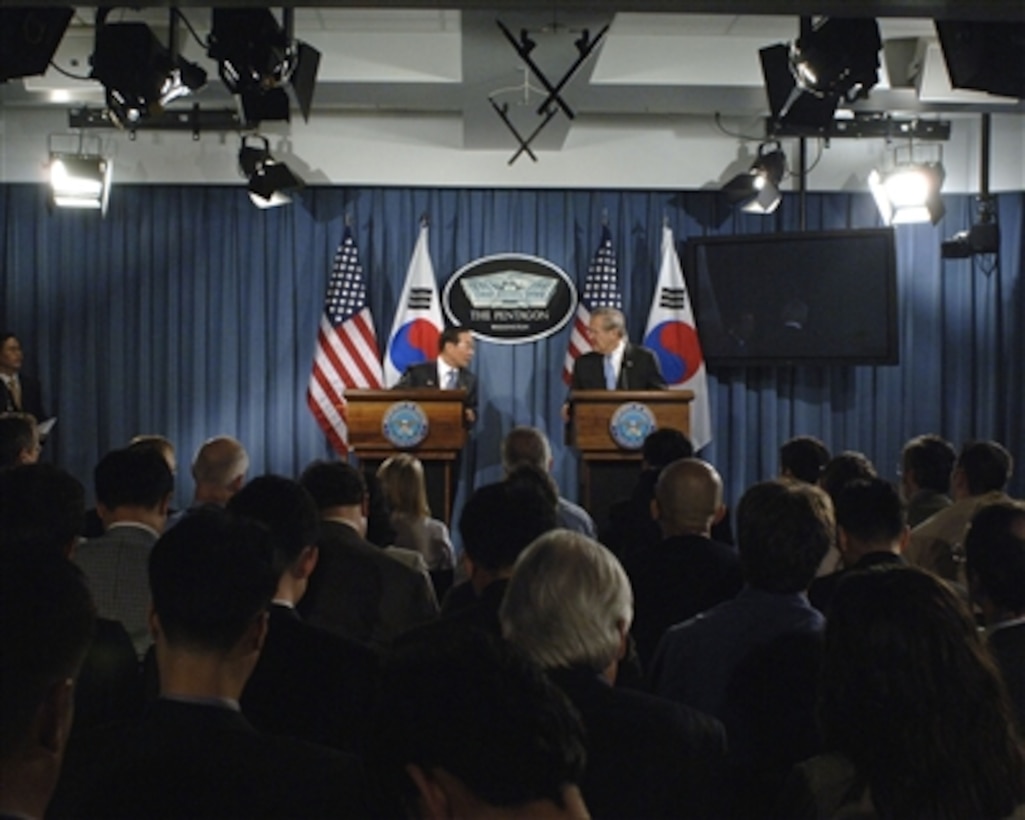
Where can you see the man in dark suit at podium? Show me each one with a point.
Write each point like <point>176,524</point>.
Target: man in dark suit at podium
<point>615,364</point>
<point>449,371</point>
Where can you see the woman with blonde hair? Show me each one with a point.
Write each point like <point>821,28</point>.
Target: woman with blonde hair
<point>402,482</point>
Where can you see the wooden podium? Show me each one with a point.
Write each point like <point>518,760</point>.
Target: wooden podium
<point>608,467</point>
<point>366,414</point>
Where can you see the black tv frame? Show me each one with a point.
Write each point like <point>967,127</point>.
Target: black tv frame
<point>830,334</point>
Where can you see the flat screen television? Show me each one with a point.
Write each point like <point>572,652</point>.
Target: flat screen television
<point>827,297</point>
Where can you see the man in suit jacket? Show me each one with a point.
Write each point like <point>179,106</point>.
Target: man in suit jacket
<point>133,494</point>
<point>686,572</point>
<point>19,392</point>
<point>449,371</point>
<point>615,364</point>
<point>358,590</point>
<point>309,683</point>
<point>568,606</point>
<point>193,754</point>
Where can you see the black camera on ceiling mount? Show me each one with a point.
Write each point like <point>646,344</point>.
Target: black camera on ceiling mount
<point>981,238</point>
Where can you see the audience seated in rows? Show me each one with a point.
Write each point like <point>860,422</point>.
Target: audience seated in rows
<point>193,754</point>
<point>980,475</point>
<point>568,607</point>
<point>925,465</point>
<point>913,712</point>
<point>357,590</point>
<point>803,458</point>
<point>752,661</point>
<point>870,530</point>
<point>133,494</point>
<point>468,727</point>
<point>687,572</point>
<point>46,619</point>
<point>995,553</point>
<point>309,683</point>
<point>528,445</point>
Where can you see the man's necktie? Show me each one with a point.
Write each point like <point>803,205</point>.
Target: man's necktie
<point>452,380</point>
<point>15,388</point>
<point>610,374</point>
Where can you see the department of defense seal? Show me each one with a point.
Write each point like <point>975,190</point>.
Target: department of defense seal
<point>404,424</point>
<point>631,424</point>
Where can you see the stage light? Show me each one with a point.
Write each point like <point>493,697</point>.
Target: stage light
<point>257,58</point>
<point>757,190</point>
<point>833,60</point>
<point>271,183</point>
<point>80,181</point>
<point>908,192</point>
<point>139,75</point>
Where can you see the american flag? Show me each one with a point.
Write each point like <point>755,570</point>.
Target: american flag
<point>601,289</point>
<point>347,355</point>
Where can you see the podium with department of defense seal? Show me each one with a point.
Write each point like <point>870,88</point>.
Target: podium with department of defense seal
<point>425,423</point>
<point>608,428</point>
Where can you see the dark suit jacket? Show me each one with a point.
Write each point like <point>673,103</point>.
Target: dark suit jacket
<point>646,757</point>
<point>1008,647</point>
<point>31,397</point>
<point>675,580</point>
<point>822,589</point>
<point>361,593</point>
<point>426,375</point>
<point>186,760</point>
<point>640,371</point>
<point>311,684</point>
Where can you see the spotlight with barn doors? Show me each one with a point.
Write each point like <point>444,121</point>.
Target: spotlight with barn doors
<point>909,190</point>
<point>271,183</point>
<point>78,178</point>
<point>757,190</point>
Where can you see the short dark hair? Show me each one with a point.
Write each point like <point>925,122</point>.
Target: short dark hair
<point>843,468</point>
<point>987,466</point>
<point>450,335</point>
<point>210,575</point>
<point>286,508</point>
<point>930,458</point>
<point>42,504</point>
<point>334,484</point>
<point>132,476</point>
<point>664,446</point>
<point>47,618</point>
<point>475,707</point>
<point>869,510</point>
<point>784,530</point>
<point>995,553</point>
<point>500,520</point>
<point>804,458</point>
<point>17,432</point>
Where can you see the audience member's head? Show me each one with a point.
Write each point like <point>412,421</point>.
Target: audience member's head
<point>219,470</point>
<point>869,518</point>
<point>843,468</point>
<point>468,727</point>
<point>41,504</point>
<point>803,458</point>
<point>664,446</point>
<point>46,623</point>
<point>526,445</point>
<point>19,439</point>
<point>133,480</point>
<point>926,463</point>
<point>785,529</point>
<point>288,511</point>
<point>910,695</point>
<point>499,520</point>
<point>402,481</point>
<point>982,467</point>
<point>568,603</point>
<point>688,498</point>
<point>334,484</point>
<point>161,444</point>
<point>211,578</point>
<point>995,560</point>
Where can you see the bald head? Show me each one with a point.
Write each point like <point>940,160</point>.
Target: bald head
<point>219,469</point>
<point>688,497</point>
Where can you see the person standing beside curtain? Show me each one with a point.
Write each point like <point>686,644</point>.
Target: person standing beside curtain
<point>449,371</point>
<point>615,364</point>
<point>19,392</point>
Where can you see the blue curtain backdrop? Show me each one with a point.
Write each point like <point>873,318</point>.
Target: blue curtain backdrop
<point>188,312</point>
